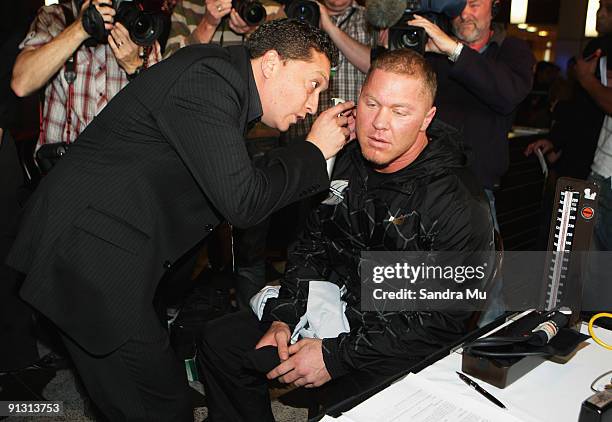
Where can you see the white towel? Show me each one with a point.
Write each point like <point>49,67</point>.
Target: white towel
<point>324,317</point>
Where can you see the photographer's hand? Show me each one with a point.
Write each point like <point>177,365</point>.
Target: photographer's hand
<point>105,8</point>
<point>585,67</point>
<point>216,10</point>
<point>439,42</point>
<point>330,132</point>
<point>238,25</point>
<point>35,66</point>
<point>325,21</point>
<point>125,50</point>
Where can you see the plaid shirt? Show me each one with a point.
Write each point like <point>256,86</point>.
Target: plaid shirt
<point>187,15</point>
<point>98,79</point>
<point>346,81</point>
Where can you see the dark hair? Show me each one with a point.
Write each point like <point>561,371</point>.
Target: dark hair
<point>291,39</point>
<point>405,61</point>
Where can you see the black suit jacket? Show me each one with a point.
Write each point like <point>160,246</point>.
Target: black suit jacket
<point>149,178</point>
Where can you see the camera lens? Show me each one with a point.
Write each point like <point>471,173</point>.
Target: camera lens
<point>142,27</point>
<point>409,39</point>
<point>407,36</point>
<point>304,10</point>
<point>253,13</point>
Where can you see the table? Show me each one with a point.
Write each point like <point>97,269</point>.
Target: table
<point>550,392</point>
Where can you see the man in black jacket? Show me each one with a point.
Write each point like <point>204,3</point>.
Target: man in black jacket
<point>150,178</point>
<point>482,77</point>
<point>398,189</point>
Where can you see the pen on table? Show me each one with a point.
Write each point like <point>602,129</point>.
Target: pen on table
<point>481,390</point>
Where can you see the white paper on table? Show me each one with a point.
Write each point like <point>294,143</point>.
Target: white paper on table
<point>415,399</point>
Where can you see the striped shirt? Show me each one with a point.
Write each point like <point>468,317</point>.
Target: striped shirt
<point>98,79</point>
<point>346,81</point>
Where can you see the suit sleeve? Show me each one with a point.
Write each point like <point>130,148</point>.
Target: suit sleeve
<point>501,82</point>
<point>410,335</point>
<point>201,117</point>
<point>307,260</point>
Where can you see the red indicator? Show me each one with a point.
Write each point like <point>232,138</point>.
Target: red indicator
<point>587,213</point>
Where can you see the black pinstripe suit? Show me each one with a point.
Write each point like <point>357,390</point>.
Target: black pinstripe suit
<point>150,177</point>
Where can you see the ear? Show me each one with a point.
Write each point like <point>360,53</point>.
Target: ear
<point>270,63</point>
<point>495,8</point>
<point>428,118</point>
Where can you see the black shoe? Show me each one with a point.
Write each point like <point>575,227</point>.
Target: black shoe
<point>53,361</point>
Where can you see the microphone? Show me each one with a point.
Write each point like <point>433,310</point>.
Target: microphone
<point>384,13</point>
<point>543,333</point>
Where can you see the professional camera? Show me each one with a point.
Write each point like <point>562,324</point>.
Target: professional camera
<point>251,11</point>
<point>394,14</point>
<point>143,19</point>
<point>302,10</point>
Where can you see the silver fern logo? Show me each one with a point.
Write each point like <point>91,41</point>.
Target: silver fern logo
<point>336,192</point>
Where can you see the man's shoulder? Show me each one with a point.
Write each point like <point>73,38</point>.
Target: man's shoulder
<point>210,70</point>
<point>514,43</point>
<point>232,56</point>
<point>217,60</point>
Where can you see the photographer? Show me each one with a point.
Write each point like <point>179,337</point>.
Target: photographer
<point>482,78</point>
<point>345,23</point>
<point>197,21</point>
<point>101,70</point>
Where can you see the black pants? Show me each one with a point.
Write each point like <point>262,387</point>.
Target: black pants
<point>250,258</point>
<point>237,394</point>
<point>141,381</point>
<point>16,317</point>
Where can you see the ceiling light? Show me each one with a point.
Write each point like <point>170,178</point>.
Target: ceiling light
<point>591,19</point>
<point>518,11</point>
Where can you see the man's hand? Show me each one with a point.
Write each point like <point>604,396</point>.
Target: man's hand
<point>238,25</point>
<point>278,335</point>
<point>125,50</point>
<point>547,148</point>
<point>325,21</point>
<point>216,10</point>
<point>105,8</point>
<point>585,68</point>
<point>439,42</point>
<point>305,367</point>
<point>330,132</point>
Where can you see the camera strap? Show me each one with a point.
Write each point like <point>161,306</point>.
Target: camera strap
<point>69,73</point>
<point>347,19</point>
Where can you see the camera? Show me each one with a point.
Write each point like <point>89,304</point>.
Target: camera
<point>394,14</point>
<point>402,35</point>
<point>251,11</point>
<point>302,10</point>
<point>143,20</point>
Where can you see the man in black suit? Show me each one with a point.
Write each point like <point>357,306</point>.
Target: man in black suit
<point>151,176</point>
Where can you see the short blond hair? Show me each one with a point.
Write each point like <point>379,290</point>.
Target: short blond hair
<point>405,61</point>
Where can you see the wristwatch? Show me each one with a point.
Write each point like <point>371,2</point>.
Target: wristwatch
<point>456,52</point>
